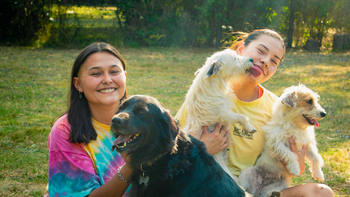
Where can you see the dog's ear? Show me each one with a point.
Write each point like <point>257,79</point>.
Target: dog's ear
<point>168,129</point>
<point>214,69</point>
<point>290,99</point>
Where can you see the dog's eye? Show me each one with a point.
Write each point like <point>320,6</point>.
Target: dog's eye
<point>309,101</point>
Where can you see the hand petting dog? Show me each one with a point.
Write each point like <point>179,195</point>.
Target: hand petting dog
<point>217,140</point>
<point>300,153</point>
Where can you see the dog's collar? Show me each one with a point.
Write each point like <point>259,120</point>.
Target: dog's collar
<point>144,179</point>
<point>149,163</point>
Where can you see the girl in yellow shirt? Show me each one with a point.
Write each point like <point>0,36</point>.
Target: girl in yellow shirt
<point>267,49</point>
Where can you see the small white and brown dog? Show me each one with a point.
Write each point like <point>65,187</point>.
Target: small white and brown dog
<point>209,99</point>
<point>294,115</point>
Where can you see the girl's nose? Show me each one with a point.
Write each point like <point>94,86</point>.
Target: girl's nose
<point>265,61</point>
<point>107,80</point>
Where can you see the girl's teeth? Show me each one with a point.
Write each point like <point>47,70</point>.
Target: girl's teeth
<point>107,90</point>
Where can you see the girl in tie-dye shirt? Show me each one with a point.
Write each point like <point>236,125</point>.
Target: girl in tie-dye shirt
<point>81,162</point>
<point>79,168</point>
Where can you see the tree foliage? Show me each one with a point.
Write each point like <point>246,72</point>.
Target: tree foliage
<point>314,19</point>
<point>340,16</point>
<point>21,20</point>
<point>178,22</point>
<point>194,23</point>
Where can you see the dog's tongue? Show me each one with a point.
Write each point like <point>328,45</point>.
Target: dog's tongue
<point>121,139</point>
<point>316,123</point>
<point>256,71</point>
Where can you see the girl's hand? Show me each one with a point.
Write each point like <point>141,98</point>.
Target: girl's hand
<point>300,154</point>
<point>116,186</point>
<point>217,140</point>
<point>126,158</point>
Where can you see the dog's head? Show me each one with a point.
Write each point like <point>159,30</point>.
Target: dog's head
<point>227,63</point>
<point>300,104</point>
<point>144,128</point>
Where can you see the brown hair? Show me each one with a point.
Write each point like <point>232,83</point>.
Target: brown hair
<point>247,38</point>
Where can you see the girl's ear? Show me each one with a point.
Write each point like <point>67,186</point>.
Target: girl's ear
<point>76,83</point>
<point>240,48</point>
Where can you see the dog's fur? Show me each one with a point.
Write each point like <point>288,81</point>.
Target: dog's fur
<point>294,115</point>
<point>175,163</point>
<point>209,99</point>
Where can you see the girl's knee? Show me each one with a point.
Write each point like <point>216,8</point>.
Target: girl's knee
<point>308,190</point>
<point>322,190</point>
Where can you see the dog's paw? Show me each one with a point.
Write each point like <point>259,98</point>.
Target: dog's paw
<point>276,194</point>
<point>293,169</point>
<point>249,127</point>
<point>273,194</point>
<point>318,175</point>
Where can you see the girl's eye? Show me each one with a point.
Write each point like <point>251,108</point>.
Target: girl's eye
<point>95,73</point>
<point>261,51</point>
<point>115,71</point>
<point>273,61</point>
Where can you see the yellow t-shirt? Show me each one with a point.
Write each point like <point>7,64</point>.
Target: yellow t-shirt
<point>244,147</point>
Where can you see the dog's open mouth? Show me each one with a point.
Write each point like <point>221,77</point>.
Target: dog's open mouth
<point>124,141</point>
<point>311,121</point>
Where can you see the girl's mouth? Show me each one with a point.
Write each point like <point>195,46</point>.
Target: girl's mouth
<point>107,90</point>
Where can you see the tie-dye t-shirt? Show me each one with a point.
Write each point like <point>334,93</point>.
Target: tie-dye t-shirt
<point>77,169</point>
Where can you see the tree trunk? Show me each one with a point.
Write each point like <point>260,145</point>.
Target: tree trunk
<point>35,10</point>
<point>297,32</point>
<point>339,41</point>
<point>311,45</point>
<point>119,21</point>
<point>218,34</point>
<point>212,30</point>
<point>291,24</point>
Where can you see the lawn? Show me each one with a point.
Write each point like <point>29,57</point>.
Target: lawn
<point>34,86</point>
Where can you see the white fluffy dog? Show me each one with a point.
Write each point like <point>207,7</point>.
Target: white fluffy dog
<point>294,115</point>
<point>209,99</point>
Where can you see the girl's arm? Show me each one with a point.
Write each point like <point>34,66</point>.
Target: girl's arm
<point>115,186</point>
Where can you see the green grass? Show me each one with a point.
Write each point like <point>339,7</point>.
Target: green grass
<point>34,85</point>
<point>89,17</point>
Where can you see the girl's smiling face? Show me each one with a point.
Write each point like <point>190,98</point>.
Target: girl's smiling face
<point>266,52</point>
<point>101,79</point>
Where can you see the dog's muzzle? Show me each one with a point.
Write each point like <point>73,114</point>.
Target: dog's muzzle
<point>123,141</point>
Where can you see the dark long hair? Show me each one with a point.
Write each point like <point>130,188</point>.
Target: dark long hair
<point>79,115</point>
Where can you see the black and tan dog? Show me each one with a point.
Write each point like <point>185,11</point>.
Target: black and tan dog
<point>166,161</point>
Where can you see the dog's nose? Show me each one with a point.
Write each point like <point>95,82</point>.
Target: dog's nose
<point>251,60</point>
<point>116,121</point>
<point>323,114</point>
